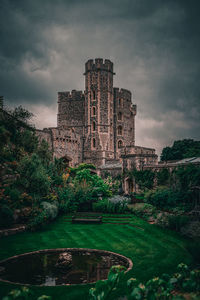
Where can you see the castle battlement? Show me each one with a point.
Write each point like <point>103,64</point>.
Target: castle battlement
<point>98,64</point>
<point>74,95</point>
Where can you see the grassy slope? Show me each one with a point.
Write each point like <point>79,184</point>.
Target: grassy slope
<point>152,250</point>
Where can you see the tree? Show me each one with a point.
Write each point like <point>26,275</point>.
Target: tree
<point>181,149</point>
<point>33,176</point>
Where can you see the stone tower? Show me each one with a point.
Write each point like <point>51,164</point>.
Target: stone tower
<point>99,109</point>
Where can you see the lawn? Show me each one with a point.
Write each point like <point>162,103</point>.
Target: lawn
<point>153,250</point>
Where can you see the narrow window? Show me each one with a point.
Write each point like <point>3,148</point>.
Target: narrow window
<point>119,130</point>
<point>119,116</point>
<point>93,126</point>
<point>120,144</point>
<point>120,102</point>
<point>93,110</point>
<point>93,95</point>
<point>93,143</point>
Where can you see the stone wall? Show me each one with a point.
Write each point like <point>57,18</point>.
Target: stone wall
<point>71,110</point>
<point>63,142</point>
<point>138,157</point>
<point>124,120</point>
<point>98,111</point>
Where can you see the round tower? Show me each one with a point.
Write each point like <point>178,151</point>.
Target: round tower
<point>99,141</point>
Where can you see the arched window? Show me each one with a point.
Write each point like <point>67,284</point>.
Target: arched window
<point>119,116</point>
<point>119,130</point>
<point>120,102</point>
<point>93,110</point>
<point>120,144</point>
<point>93,126</point>
<point>94,95</point>
<point>93,143</point>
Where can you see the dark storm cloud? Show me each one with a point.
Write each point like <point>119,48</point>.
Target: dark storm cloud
<point>154,45</point>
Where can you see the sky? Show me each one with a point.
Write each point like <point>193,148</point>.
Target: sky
<point>154,45</point>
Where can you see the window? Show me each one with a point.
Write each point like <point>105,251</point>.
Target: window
<point>119,130</point>
<point>93,143</point>
<point>120,102</point>
<point>93,110</point>
<point>93,126</point>
<point>94,95</point>
<point>120,144</point>
<point>119,116</point>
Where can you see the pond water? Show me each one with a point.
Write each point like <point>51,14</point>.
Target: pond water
<point>60,267</point>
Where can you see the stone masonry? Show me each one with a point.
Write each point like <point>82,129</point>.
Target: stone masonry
<point>95,126</point>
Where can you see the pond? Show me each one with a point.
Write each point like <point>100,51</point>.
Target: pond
<point>64,266</point>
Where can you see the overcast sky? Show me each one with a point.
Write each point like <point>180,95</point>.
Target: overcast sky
<point>154,45</point>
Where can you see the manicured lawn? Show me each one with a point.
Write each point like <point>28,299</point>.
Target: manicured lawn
<point>153,250</point>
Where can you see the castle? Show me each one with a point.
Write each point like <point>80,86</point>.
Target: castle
<point>98,125</point>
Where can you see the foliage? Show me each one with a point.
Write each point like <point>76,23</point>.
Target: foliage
<point>24,293</point>
<point>87,188</point>
<point>44,153</point>
<point>177,222</point>
<point>104,289</point>
<point>157,288</point>
<point>181,149</point>
<point>144,178</point>
<point>6,216</point>
<point>163,177</point>
<point>185,178</point>
<point>33,176</point>
<point>66,200</point>
<point>106,206</point>
<point>144,210</point>
<point>113,183</point>
<point>50,209</point>
<point>162,197</point>
<point>80,167</point>
<point>43,214</point>
<point>22,114</point>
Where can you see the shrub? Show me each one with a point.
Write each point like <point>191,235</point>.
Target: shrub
<point>162,197</point>
<point>38,221</point>
<point>6,216</point>
<point>66,199</point>
<point>144,178</point>
<point>177,222</point>
<point>144,210</point>
<point>50,209</point>
<point>162,177</point>
<point>33,176</point>
<point>106,206</point>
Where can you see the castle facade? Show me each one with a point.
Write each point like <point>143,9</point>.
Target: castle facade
<point>98,125</point>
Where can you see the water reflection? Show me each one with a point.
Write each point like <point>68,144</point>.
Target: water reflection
<point>59,267</point>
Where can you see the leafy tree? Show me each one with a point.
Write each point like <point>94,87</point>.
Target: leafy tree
<point>181,149</point>
<point>44,153</point>
<point>33,176</point>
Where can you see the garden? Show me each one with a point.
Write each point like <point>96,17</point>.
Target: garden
<point>43,194</point>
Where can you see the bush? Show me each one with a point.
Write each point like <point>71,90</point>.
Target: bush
<point>143,178</point>
<point>50,209</point>
<point>6,216</point>
<point>33,176</point>
<point>144,210</point>
<point>177,222</point>
<point>162,197</point>
<point>42,215</point>
<point>106,206</point>
<point>66,200</point>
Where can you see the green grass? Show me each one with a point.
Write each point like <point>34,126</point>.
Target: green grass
<point>153,250</point>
